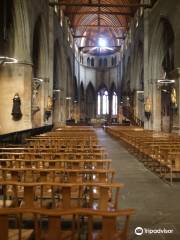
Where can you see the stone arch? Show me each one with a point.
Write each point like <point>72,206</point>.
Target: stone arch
<point>138,81</point>
<point>18,27</point>
<point>100,62</point>
<point>39,52</point>
<point>7,28</point>
<point>161,60</point>
<point>57,73</point>
<point>69,80</point>
<point>126,81</point>
<point>39,56</point>
<point>82,94</point>
<point>102,86</point>
<point>105,62</point>
<point>88,61</point>
<point>82,101</point>
<point>113,88</point>
<point>75,98</point>
<point>22,39</point>
<point>92,62</point>
<point>159,46</point>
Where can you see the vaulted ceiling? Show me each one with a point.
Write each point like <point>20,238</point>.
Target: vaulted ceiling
<point>94,19</point>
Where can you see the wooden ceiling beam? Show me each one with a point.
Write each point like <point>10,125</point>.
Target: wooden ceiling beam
<point>80,4</point>
<point>80,48</point>
<point>81,36</point>
<point>96,26</point>
<point>101,13</point>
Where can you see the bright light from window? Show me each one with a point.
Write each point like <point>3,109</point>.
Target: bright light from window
<point>99,104</point>
<point>102,42</point>
<point>114,104</point>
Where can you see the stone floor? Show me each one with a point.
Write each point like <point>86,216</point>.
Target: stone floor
<point>157,203</point>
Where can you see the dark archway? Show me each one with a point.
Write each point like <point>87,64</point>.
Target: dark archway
<point>82,102</point>
<point>39,57</point>
<point>7,34</point>
<point>167,66</point>
<point>90,102</point>
<point>56,85</point>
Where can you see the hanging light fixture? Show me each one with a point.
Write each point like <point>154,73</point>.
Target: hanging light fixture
<point>7,60</point>
<point>165,80</point>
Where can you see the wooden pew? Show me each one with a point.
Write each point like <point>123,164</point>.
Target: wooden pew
<point>60,174</point>
<point>56,232</point>
<point>43,163</point>
<point>152,148</point>
<point>61,195</point>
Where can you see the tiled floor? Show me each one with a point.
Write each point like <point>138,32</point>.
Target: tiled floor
<point>157,203</point>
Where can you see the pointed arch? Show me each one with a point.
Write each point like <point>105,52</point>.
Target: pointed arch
<point>22,28</point>
<point>114,99</point>
<point>39,52</point>
<point>162,42</point>
<point>102,100</point>
<point>75,89</point>
<point>82,94</point>
<point>90,101</point>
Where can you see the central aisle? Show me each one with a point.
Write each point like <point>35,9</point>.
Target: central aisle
<point>157,204</point>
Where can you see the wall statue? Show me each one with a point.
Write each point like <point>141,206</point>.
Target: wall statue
<point>16,110</point>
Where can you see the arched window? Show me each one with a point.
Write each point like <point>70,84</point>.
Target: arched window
<point>105,62</point>
<point>112,61</point>
<point>99,104</point>
<point>103,102</point>
<point>88,61</point>
<point>115,60</point>
<point>92,62</point>
<point>114,104</point>
<point>100,62</point>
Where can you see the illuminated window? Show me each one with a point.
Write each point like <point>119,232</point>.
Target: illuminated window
<point>61,17</point>
<point>114,104</point>
<point>103,102</point>
<point>99,104</point>
<point>102,42</point>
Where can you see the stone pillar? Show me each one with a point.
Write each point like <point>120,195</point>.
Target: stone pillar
<point>176,112</point>
<point>146,62</point>
<point>15,78</point>
<point>156,107</point>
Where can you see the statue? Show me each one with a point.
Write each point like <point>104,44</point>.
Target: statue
<point>49,104</point>
<point>147,108</point>
<point>16,110</point>
<point>49,108</point>
<point>174,99</point>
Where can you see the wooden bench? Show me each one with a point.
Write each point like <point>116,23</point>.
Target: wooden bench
<point>61,195</point>
<point>152,148</point>
<point>43,163</point>
<point>54,229</point>
<point>58,175</point>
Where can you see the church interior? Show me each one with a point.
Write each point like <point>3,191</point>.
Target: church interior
<point>90,120</point>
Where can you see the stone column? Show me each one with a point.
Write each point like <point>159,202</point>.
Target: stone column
<point>15,78</point>
<point>146,61</point>
<point>156,107</point>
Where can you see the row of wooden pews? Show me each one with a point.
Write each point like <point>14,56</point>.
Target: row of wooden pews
<point>62,184</point>
<point>159,151</point>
